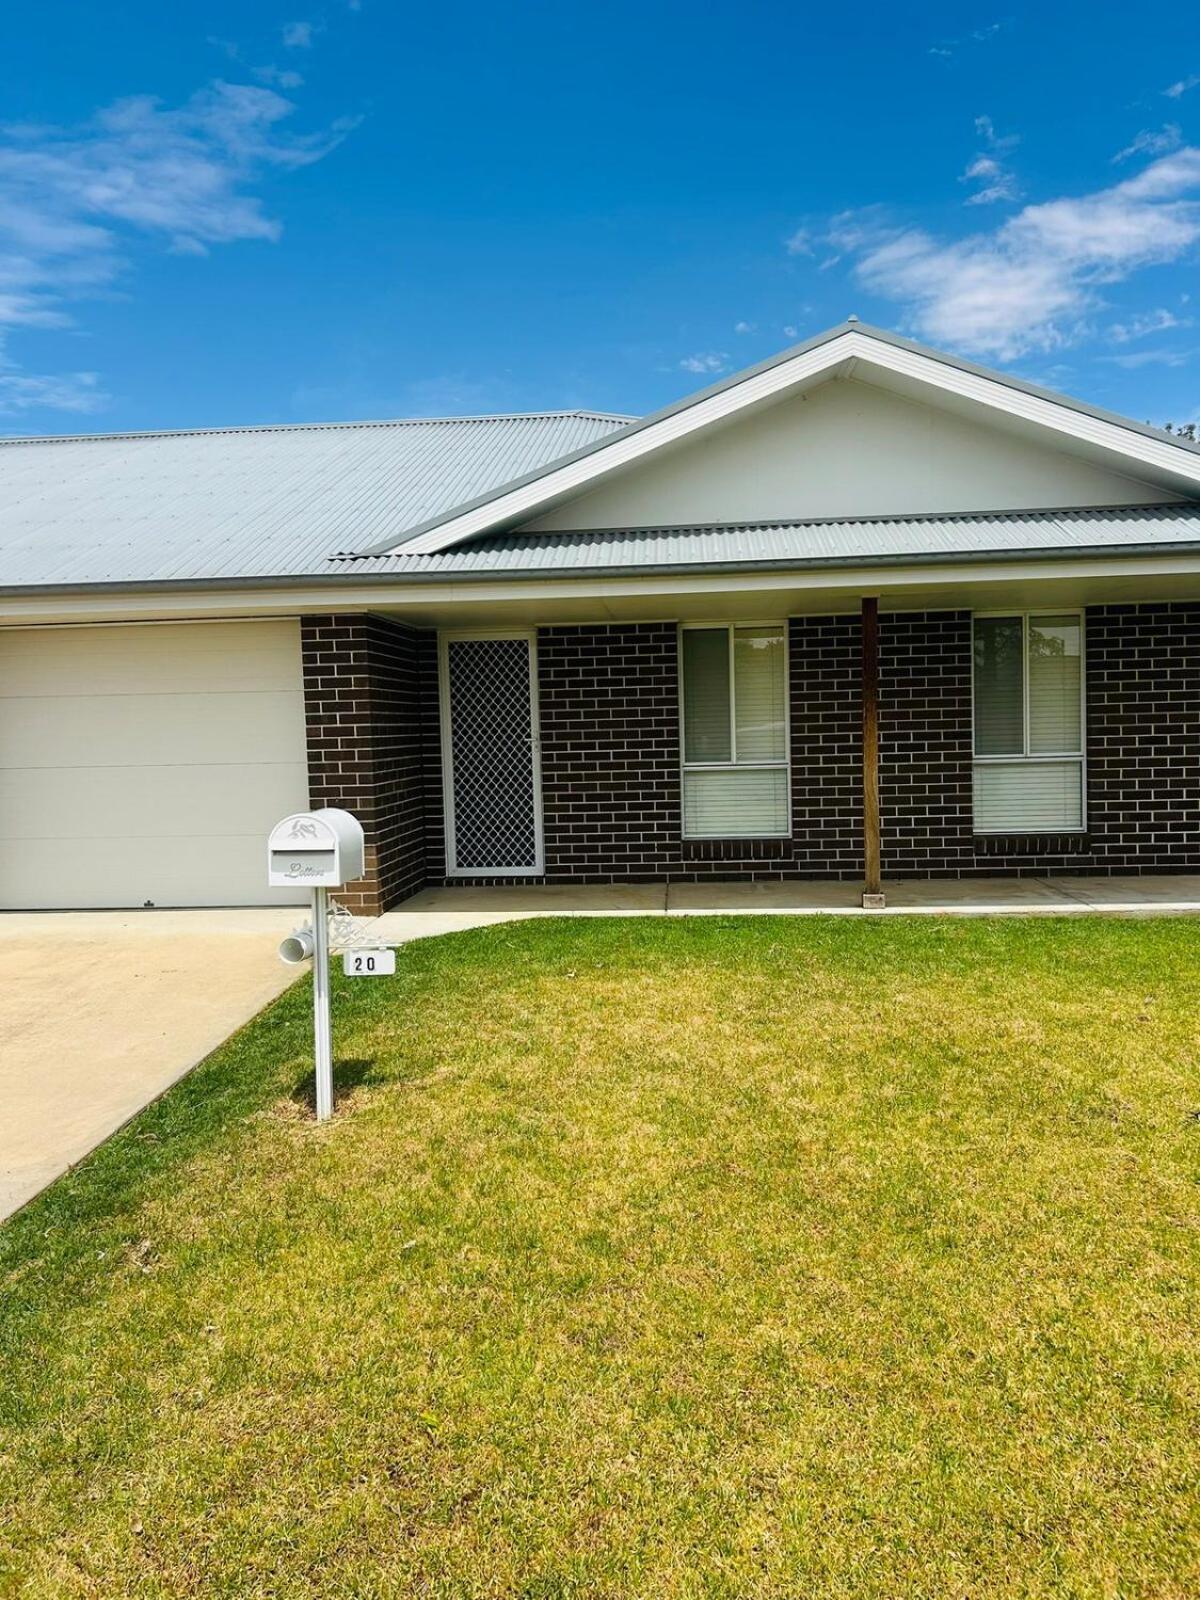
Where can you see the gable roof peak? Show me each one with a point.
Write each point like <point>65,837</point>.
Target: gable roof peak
<point>1160,458</point>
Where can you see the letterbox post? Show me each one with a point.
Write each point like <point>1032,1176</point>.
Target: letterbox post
<point>322,1021</point>
<point>320,850</point>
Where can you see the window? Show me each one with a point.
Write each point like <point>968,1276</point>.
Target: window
<point>735,732</point>
<point>1028,723</point>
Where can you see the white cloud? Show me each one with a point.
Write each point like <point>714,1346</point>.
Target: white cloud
<point>68,391</point>
<point>949,47</point>
<point>276,77</point>
<point>744,327</point>
<point>708,361</point>
<point>1146,323</point>
<point>996,181</point>
<point>1175,90</point>
<point>1028,284</point>
<point>800,243</point>
<point>298,35</point>
<point>74,200</point>
<point>1132,359</point>
<point>1152,142</point>
<point>790,331</point>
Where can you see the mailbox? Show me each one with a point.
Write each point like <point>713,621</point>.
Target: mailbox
<point>315,850</point>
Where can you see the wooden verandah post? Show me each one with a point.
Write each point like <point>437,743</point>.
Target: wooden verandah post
<point>872,888</point>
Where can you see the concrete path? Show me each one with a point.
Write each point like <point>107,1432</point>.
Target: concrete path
<point>101,1011</point>
<point>450,910</point>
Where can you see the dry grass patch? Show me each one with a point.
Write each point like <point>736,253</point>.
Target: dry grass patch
<point>701,1258</point>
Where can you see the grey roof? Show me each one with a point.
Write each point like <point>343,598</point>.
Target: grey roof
<point>252,502</point>
<point>977,535</point>
<point>792,546</point>
<point>327,501</point>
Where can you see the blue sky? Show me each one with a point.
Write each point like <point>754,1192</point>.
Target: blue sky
<point>229,213</point>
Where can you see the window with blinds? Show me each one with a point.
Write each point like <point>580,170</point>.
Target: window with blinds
<point>735,732</point>
<point>1028,700</point>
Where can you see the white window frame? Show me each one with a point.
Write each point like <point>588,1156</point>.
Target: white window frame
<point>733,764</point>
<point>1025,755</point>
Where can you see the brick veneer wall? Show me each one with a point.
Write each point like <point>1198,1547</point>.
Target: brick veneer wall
<point>1143,746</point>
<point>609,703</point>
<point>610,752</point>
<point>1143,736</point>
<point>612,809</point>
<point>364,725</point>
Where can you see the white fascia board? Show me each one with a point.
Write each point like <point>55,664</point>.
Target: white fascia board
<point>33,609</point>
<point>1058,417</point>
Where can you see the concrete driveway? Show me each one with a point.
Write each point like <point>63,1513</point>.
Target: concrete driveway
<point>101,1011</point>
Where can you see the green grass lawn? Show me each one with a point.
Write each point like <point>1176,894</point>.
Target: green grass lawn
<point>699,1257</point>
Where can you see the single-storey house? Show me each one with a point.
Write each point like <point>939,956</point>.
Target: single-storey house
<point>863,610</point>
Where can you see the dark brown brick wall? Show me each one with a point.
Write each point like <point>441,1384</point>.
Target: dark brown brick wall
<point>1143,744</point>
<point>609,703</point>
<point>826,716</point>
<point>1143,737</point>
<point>925,743</point>
<point>610,752</point>
<point>364,725</point>
<point>609,714</point>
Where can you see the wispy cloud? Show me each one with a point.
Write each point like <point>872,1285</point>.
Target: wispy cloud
<point>1028,284</point>
<point>74,202</point>
<point>1180,87</point>
<point>706,361</point>
<point>1133,359</point>
<point>69,391</point>
<point>1152,142</point>
<point>800,243</point>
<point>744,327</point>
<point>1145,323</point>
<point>988,168</point>
<point>275,77</point>
<point>948,48</point>
<point>298,35</point>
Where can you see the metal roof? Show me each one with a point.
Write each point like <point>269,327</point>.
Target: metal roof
<point>978,535</point>
<point>792,546</point>
<point>252,502</point>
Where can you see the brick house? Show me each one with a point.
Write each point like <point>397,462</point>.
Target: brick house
<point>863,611</point>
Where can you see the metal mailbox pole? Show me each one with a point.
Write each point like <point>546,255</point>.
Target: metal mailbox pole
<point>321,850</point>
<point>322,1022</point>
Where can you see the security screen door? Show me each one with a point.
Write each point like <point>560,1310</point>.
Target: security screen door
<point>490,755</point>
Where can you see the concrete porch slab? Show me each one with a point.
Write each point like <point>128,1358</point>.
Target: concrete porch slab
<point>449,910</point>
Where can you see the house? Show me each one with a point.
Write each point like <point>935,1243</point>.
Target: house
<point>861,610</point>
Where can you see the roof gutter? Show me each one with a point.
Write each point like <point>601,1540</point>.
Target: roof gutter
<point>825,564</point>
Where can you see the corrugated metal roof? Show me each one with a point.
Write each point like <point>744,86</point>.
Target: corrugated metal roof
<point>798,544</point>
<point>253,502</point>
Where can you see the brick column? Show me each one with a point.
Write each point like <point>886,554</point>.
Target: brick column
<point>363,716</point>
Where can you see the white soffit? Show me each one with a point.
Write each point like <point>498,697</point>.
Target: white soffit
<point>869,356</point>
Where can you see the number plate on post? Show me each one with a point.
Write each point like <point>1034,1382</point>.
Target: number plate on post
<point>369,963</point>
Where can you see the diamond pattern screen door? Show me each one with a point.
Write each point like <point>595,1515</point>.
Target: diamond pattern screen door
<point>490,755</point>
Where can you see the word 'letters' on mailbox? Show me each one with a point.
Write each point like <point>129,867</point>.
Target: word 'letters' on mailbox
<point>315,850</point>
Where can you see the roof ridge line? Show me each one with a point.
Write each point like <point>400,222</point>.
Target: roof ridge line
<point>223,429</point>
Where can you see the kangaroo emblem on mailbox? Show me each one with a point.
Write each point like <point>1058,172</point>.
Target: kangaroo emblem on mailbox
<point>303,830</point>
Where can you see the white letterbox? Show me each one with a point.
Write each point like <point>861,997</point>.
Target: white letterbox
<point>315,850</point>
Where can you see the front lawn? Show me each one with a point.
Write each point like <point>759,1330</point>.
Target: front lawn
<point>662,1258</point>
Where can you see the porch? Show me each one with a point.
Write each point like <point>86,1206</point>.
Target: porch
<point>559,756</point>
<point>455,909</point>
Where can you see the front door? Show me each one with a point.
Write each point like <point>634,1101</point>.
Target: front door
<point>490,754</point>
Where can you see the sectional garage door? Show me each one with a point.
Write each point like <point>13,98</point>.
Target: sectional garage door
<point>146,764</point>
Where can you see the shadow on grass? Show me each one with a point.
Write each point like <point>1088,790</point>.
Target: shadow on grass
<point>348,1076</point>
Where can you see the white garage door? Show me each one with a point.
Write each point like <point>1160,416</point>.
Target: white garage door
<point>145,765</point>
